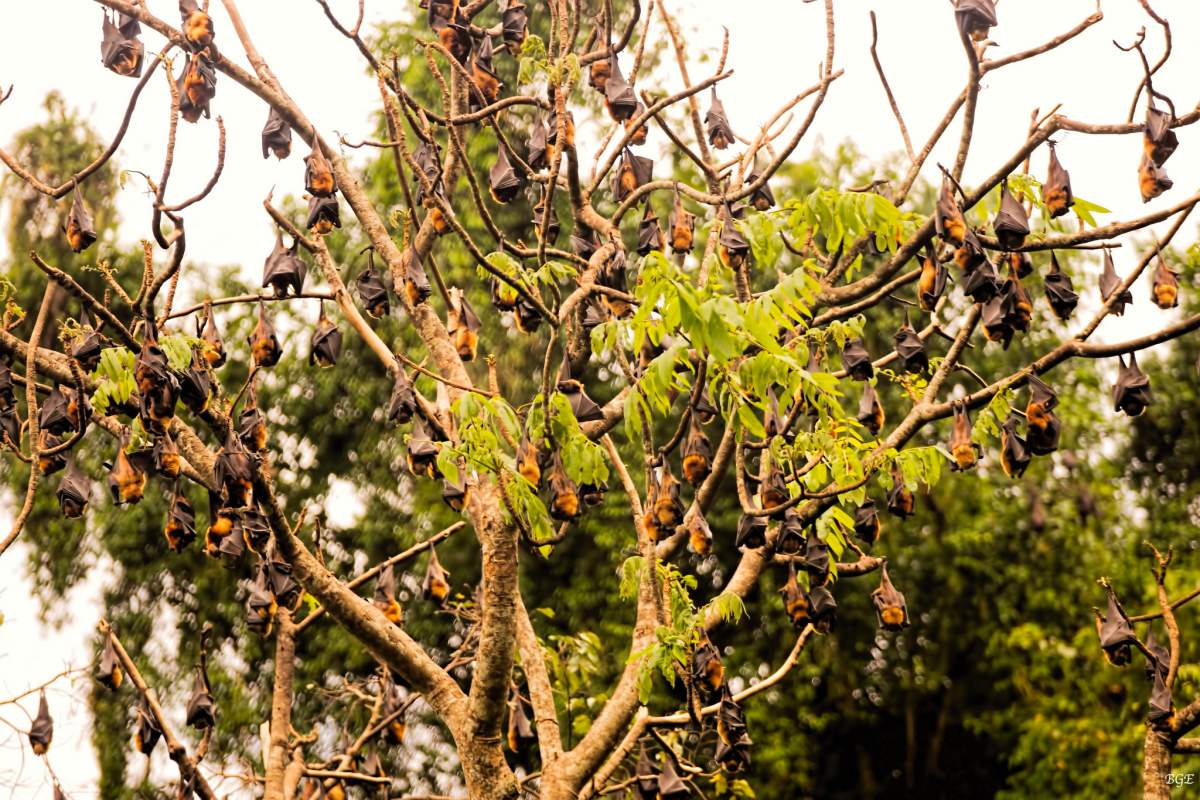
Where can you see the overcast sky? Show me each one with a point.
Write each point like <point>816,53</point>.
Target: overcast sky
<point>775,49</point>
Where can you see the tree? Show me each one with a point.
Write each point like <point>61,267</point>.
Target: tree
<point>704,351</point>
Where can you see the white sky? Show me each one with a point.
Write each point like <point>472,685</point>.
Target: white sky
<point>775,49</point>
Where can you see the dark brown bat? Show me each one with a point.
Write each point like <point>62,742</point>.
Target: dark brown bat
<point>1152,179</point>
<point>1160,140</point>
<point>867,525</point>
<point>526,316</point>
<point>1056,191</point>
<point>1043,426</point>
<point>761,198</point>
<point>716,124</point>
<point>667,506</point>
<point>733,742</point>
<point>197,86</point>
<point>975,18</point>
<point>264,344</point>
<point>732,246</point>
<point>279,578</point>
<point>1110,282</point>
<point>10,427</point>
<point>584,246</point>
<point>1166,286</point>
<point>1161,658</point>
<point>1162,712</point>
<point>146,731</point>
<point>870,410</point>
<point>108,670</point>
<point>683,227</point>
<point>900,500</point>
<point>910,348</point>
<point>965,452</point>
<point>519,734</point>
<point>772,492</point>
<point>1018,263</point>
<point>857,361</point>
<point>403,403</point>
<point>822,609</point>
<point>256,531</point>
<point>504,181</point>
<point>429,162</point>
<point>670,785</point>
<point>618,94</point>
<point>529,461</point>
<point>196,388</point>
<point>980,282</point>
<point>49,464</point>
<point>436,586</point>
<point>235,471</point>
<point>422,451</point>
<point>751,533</point>
<point>632,172</point>
<point>613,275</point>
<point>197,25</point>
<point>212,347</point>
<point>637,136</point>
<point>7,395</point>
<point>126,479</point>
<point>41,732</point>
<point>1131,393</point>
<point>180,528</point>
<point>463,325</point>
<point>540,213</point>
<point>252,424</point>
<point>326,343</point>
<point>86,348</point>
<point>483,74</point>
<point>120,49</point>
<point>708,673</point>
<point>538,145</point>
<point>74,491</point>
<point>416,282</point>
<point>276,136</point>
<point>455,495</point>
<point>795,599</point>
<point>584,408</point>
<point>372,291</point>
<point>79,229</point>
<point>53,415</point>
<point>1060,291</point>
<point>650,236</point>
<point>890,607</point>
<point>261,606</point>
<point>323,215</point>
<point>970,255</point>
<point>816,559</point>
<point>1014,454</point>
<point>167,461</point>
<point>1011,224</point>
<point>1116,635</point>
<point>201,710</point>
<point>996,319</point>
<point>283,270</point>
<point>514,26</point>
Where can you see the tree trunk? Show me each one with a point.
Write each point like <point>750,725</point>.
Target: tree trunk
<point>1156,767</point>
<point>281,705</point>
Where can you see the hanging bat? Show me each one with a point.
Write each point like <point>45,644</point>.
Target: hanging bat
<point>372,291</point>
<point>223,523</point>
<point>126,479</point>
<point>280,580</point>
<point>120,49</point>
<point>584,245</point>
<point>761,198</point>
<point>256,531</point>
<point>650,236</point>
<point>1152,179</point>
<point>483,73</point>
<point>455,495</point>
<point>670,785</point>
<point>618,94</point>
<point>980,282</point>
<point>48,463</point>
<point>146,731</point>
<point>751,533</point>
<point>529,461</point>
<point>613,275</point>
<point>323,215</point>
<point>10,427</point>
<point>463,325</point>
<point>436,586</point>
<point>422,451</point>
<point>403,403</point>
<point>866,522</point>
<point>857,361</point>
<point>526,316</point>
<point>1056,191</point>
<point>540,213</point>
<point>1019,264</point>
<point>277,136</point>
<point>416,282</point>
<point>261,607</point>
<point>1042,424</point>
<point>1060,291</point>
<point>538,146</point>
<point>180,529</point>
<point>79,229</point>
<point>699,534</point>
<point>822,609</point>
<point>165,453</point>
<point>252,425</point>
<point>86,348</point>
<point>519,735</point>
<point>514,26</point>
<point>197,25</point>
<point>235,471</point>
<point>53,415</point>
<point>970,255</point>
<point>636,136</point>
<point>910,348</point>
<point>264,344</point>
<point>201,711</point>
<point>965,452</point>
<point>870,410</point>
<point>429,162</point>
<point>1166,286</point>
<point>1014,455</point>
<point>900,501</point>
<point>583,407</point>
<point>949,221</point>
<point>1161,661</point>
<point>212,347</point>
<point>716,124</point>
<point>633,171</point>
<point>733,742</point>
<point>1110,282</point>
<point>385,595</point>
<point>564,495</point>
<point>697,453</point>
<point>683,227</point>
<point>504,181</point>
<point>1011,224</point>
<point>795,599</point>
<point>8,397</point>
<point>996,319</point>
<point>41,732</point>
<point>732,246</point>
<point>283,270</point>
<point>74,491</point>
<point>1116,635</point>
<point>932,281</point>
<point>326,343</point>
<point>773,490</point>
<point>1160,140</point>
<point>816,559</point>
<point>707,670</point>
<point>196,388</point>
<point>1131,393</point>
<point>1162,712</point>
<point>667,507</point>
<point>197,86</point>
<point>975,18</point>
<point>108,670</point>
